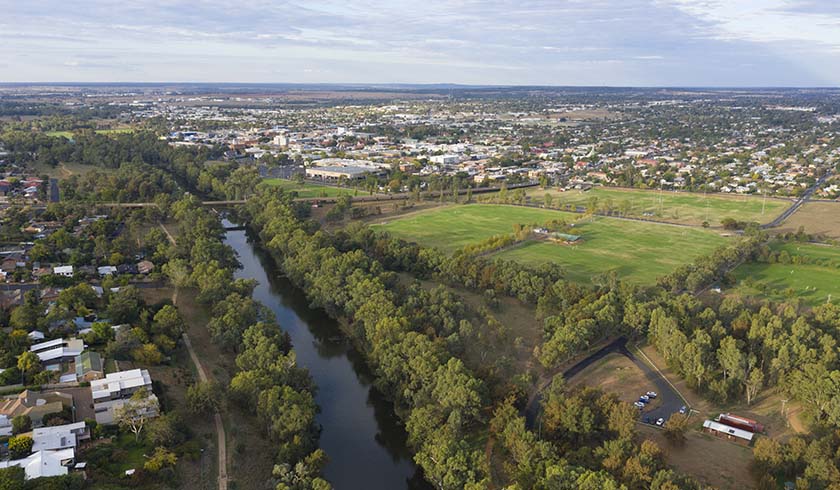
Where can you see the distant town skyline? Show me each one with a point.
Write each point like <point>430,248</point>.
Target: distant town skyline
<point>496,42</point>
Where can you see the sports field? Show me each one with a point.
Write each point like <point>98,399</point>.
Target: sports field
<point>308,189</point>
<point>677,207</point>
<point>639,252</point>
<point>813,282</point>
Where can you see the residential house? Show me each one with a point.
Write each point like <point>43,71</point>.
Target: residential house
<point>114,390</point>
<point>88,366</point>
<point>63,270</point>
<point>59,436</point>
<point>44,463</point>
<point>54,352</point>
<point>145,267</point>
<point>35,405</point>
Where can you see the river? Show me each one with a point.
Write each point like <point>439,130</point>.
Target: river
<point>361,435</point>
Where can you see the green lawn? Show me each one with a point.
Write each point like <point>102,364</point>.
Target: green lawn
<point>308,189</point>
<point>813,282</point>
<point>677,207</point>
<point>639,252</point>
<point>69,134</point>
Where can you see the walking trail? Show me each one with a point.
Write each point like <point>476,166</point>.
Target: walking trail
<point>202,376</point>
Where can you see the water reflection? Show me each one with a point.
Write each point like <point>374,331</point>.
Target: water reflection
<point>361,434</point>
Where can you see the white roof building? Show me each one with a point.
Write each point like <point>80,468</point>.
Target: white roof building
<point>63,270</point>
<point>55,351</point>
<point>44,463</point>
<point>114,390</point>
<point>725,429</point>
<point>58,437</point>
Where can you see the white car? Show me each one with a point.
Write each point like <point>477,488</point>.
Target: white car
<point>639,405</point>
<point>651,394</point>
<point>660,421</point>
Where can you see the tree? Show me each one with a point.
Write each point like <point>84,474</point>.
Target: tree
<point>12,478</point>
<point>21,423</point>
<point>161,458</point>
<point>731,359</point>
<point>202,398</point>
<point>148,354</point>
<point>20,446</point>
<point>29,364</point>
<point>676,427</point>
<point>136,411</point>
<point>753,384</point>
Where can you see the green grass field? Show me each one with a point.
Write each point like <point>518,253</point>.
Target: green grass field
<point>308,189</point>
<point>69,134</point>
<point>638,252</point>
<point>677,207</point>
<point>813,282</point>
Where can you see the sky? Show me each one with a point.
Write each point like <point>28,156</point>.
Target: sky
<point>483,42</point>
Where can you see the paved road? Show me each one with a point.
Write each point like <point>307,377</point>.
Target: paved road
<point>806,196</point>
<point>668,402</point>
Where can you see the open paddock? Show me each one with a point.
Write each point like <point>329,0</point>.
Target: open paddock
<point>637,251</point>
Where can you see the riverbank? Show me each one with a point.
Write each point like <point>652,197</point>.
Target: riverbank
<point>364,439</point>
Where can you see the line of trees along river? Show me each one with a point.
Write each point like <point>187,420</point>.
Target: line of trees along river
<point>362,437</point>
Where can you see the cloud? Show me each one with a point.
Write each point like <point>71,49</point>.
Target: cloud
<point>617,42</point>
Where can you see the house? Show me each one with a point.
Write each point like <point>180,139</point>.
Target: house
<point>63,270</point>
<point>35,405</point>
<point>59,436</point>
<point>114,390</point>
<point>88,366</point>
<point>726,432</point>
<point>106,270</point>
<point>44,463</point>
<point>54,352</point>
<point>11,298</point>
<point>126,269</point>
<point>145,267</point>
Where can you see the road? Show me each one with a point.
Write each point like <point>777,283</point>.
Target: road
<point>668,402</point>
<point>806,196</point>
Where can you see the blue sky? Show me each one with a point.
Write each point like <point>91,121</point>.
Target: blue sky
<point>550,42</point>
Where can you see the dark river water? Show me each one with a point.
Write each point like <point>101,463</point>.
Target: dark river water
<point>364,442</point>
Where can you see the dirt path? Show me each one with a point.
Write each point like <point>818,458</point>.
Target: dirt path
<point>202,376</point>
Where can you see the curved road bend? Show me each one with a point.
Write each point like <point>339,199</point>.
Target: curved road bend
<point>806,196</point>
<point>669,401</point>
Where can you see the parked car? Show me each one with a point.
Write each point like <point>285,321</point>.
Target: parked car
<point>639,405</point>
<point>660,421</point>
<point>683,409</point>
<point>644,399</point>
<point>651,394</point>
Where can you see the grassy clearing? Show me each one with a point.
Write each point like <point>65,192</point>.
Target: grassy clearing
<point>65,170</point>
<point>308,189</point>
<point>813,282</point>
<point>69,134</point>
<point>638,252</point>
<point>451,227</point>
<point>677,207</point>
<point>615,373</point>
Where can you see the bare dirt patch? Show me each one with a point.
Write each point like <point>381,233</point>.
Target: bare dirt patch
<point>722,464</point>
